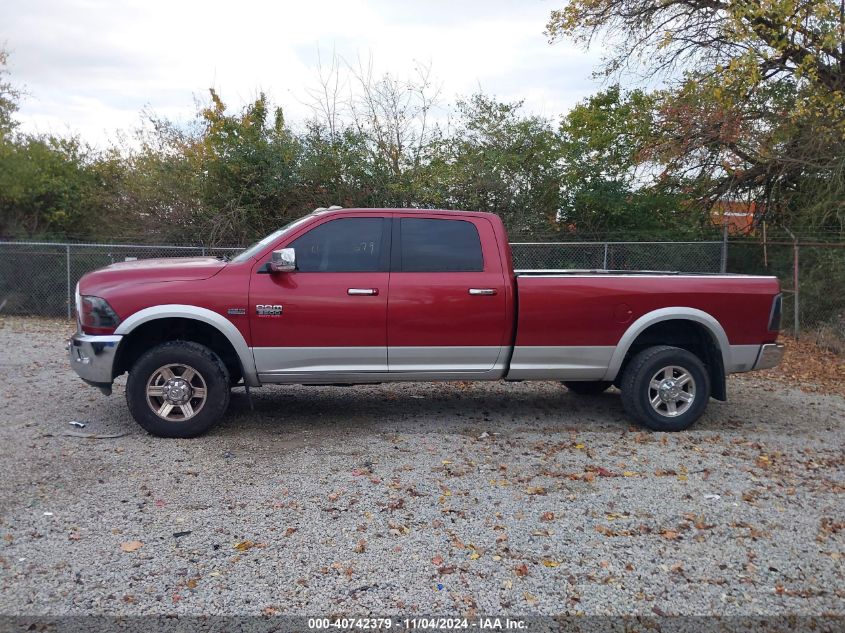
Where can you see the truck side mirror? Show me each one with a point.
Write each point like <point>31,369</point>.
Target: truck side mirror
<point>283,261</point>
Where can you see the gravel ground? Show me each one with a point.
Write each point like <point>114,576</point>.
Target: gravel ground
<point>414,498</point>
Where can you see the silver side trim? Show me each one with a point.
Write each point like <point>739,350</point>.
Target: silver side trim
<point>322,360</point>
<point>371,377</point>
<point>309,365</point>
<point>559,362</point>
<point>667,314</point>
<point>443,358</point>
<point>226,327</point>
<point>532,273</point>
<point>743,358</point>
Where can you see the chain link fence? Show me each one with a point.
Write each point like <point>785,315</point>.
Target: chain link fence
<point>39,278</point>
<point>687,257</point>
<point>812,276</point>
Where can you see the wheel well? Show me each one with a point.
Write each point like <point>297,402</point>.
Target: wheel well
<point>689,335</point>
<point>152,333</point>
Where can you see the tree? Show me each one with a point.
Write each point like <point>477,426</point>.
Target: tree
<point>385,123</point>
<point>754,103</point>
<point>502,161</point>
<point>47,188</point>
<point>225,177</point>
<point>9,97</point>
<point>606,187</point>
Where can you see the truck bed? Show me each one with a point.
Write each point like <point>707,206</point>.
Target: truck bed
<point>571,322</point>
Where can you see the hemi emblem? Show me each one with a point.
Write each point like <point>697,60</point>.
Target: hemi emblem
<point>263,309</point>
<point>236,311</point>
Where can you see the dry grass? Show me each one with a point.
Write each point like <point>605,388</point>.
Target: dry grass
<point>810,367</point>
<point>828,338</point>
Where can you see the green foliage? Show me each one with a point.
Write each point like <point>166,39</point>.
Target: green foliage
<point>47,187</point>
<point>504,162</point>
<point>754,99</point>
<point>607,188</point>
<point>9,97</point>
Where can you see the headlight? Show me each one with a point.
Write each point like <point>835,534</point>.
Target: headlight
<point>96,315</point>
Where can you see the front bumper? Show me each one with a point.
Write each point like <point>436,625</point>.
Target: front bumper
<point>92,357</point>
<point>770,355</point>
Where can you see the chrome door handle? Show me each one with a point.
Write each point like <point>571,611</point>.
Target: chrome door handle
<point>482,291</point>
<point>362,291</point>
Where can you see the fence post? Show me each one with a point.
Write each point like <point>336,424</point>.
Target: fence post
<point>69,298</point>
<point>605,256</point>
<point>796,320</point>
<point>724,264</point>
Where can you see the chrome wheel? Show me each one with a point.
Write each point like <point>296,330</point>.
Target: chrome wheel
<point>671,391</point>
<point>176,392</point>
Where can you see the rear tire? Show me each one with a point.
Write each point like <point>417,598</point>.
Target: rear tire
<point>665,388</point>
<point>178,389</point>
<point>587,387</point>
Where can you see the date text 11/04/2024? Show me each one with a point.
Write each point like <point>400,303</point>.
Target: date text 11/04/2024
<point>419,623</point>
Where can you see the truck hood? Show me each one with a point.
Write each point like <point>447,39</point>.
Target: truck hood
<point>150,270</point>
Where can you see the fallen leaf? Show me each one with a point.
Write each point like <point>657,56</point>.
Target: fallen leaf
<point>548,516</point>
<point>243,546</point>
<point>670,534</point>
<point>131,546</point>
<point>521,570</point>
<point>551,563</point>
<point>361,546</point>
<point>437,560</point>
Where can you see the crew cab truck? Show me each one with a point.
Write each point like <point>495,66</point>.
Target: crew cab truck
<point>350,296</point>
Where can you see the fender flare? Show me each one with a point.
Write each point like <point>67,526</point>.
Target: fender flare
<point>220,323</point>
<point>679,313</point>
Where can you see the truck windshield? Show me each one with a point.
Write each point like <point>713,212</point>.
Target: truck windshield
<point>260,245</point>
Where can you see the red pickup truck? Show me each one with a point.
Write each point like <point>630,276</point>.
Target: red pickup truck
<point>381,295</point>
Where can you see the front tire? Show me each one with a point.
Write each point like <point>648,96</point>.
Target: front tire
<point>178,389</point>
<point>665,388</point>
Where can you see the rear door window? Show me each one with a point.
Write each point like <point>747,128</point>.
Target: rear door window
<point>439,246</point>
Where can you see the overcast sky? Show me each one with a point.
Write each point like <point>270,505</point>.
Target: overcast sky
<point>90,66</point>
